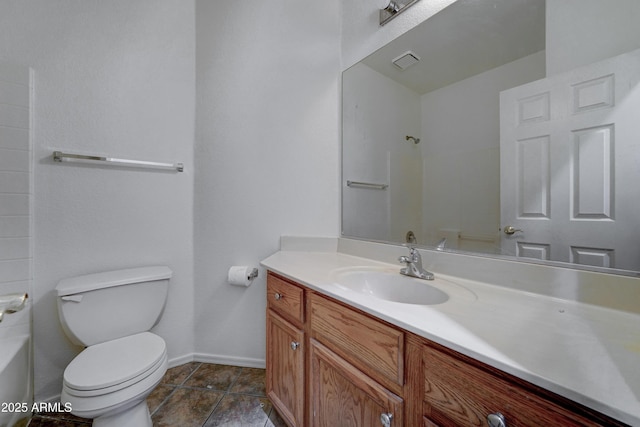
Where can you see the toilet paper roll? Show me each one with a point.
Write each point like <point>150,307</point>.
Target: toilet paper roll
<point>241,275</point>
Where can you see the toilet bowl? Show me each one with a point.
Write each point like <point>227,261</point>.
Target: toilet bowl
<point>111,313</point>
<point>130,368</point>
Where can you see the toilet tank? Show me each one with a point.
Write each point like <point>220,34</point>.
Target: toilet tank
<point>100,307</point>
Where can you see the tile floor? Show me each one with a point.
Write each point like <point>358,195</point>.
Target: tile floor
<point>198,395</point>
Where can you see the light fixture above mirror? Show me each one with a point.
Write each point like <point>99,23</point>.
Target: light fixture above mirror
<point>393,9</point>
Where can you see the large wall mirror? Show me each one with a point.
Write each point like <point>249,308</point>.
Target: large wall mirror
<point>504,128</point>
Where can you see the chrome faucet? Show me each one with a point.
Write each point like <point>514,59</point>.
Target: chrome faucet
<point>414,265</point>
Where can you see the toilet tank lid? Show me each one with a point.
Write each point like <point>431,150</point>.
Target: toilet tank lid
<point>91,282</point>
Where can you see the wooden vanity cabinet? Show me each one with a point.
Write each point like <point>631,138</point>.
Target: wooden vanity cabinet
<point>460,391</point>
<point>285,379</point>
<point>329,364</point>
<point>353,364</point>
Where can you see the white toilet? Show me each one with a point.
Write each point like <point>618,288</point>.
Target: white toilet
<point>110,314</point>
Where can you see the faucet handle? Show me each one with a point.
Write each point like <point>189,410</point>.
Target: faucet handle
<point>407,259</point>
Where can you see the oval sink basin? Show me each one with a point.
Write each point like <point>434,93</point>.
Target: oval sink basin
<point>391,286</point>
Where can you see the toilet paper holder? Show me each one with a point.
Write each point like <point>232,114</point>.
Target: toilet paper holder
<point>241,275</point>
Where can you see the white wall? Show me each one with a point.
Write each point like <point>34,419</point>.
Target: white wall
<point>267,154</point>
<point>580,32</point>
<point>376,122</point>
<point>114,78</point>
<point>461,137</point>
<point>16,229</point>
<point>16,193</point>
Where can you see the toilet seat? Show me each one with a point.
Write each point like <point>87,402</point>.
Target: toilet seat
<point>114,365</point>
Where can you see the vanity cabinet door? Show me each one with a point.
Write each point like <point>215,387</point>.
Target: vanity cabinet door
<point>285,369</point>
<point>343,396</point>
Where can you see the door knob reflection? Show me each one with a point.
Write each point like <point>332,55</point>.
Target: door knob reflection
<point>509,229</point>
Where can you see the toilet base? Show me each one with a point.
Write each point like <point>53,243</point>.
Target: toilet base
<point>136,416</point>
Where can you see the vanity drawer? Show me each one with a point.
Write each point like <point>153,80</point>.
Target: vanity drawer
<point>285,298</point>
<point>457,393</point>
<point>368,344</point>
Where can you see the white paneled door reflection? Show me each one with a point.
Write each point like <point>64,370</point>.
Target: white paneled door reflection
<point>570,165</point>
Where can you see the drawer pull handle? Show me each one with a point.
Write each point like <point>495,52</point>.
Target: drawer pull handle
<point>277,296</point>
<point>294,345</point>
<point>385,419</point>
<point>496,420</point>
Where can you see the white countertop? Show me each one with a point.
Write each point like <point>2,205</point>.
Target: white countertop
<point>587,353</point>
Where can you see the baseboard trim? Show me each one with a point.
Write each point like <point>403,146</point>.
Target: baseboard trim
<point>180,360</point>
<point>245,362</point>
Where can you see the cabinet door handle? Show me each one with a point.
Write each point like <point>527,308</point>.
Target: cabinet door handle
<point>277,296</point>
<point>294,345</point>
<point>385,419</point>
<point>496,420</point>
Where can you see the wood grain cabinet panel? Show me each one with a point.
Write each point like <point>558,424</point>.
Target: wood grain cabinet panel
<point>459,394</point>
<point>343,396</point>
<point>365,342</point>
<point>285,382</point>
<point>286,298</point>
<point>426,422</point>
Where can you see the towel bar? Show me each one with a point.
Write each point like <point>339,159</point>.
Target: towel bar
<point>367,185</point>
<point>59,156</point>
